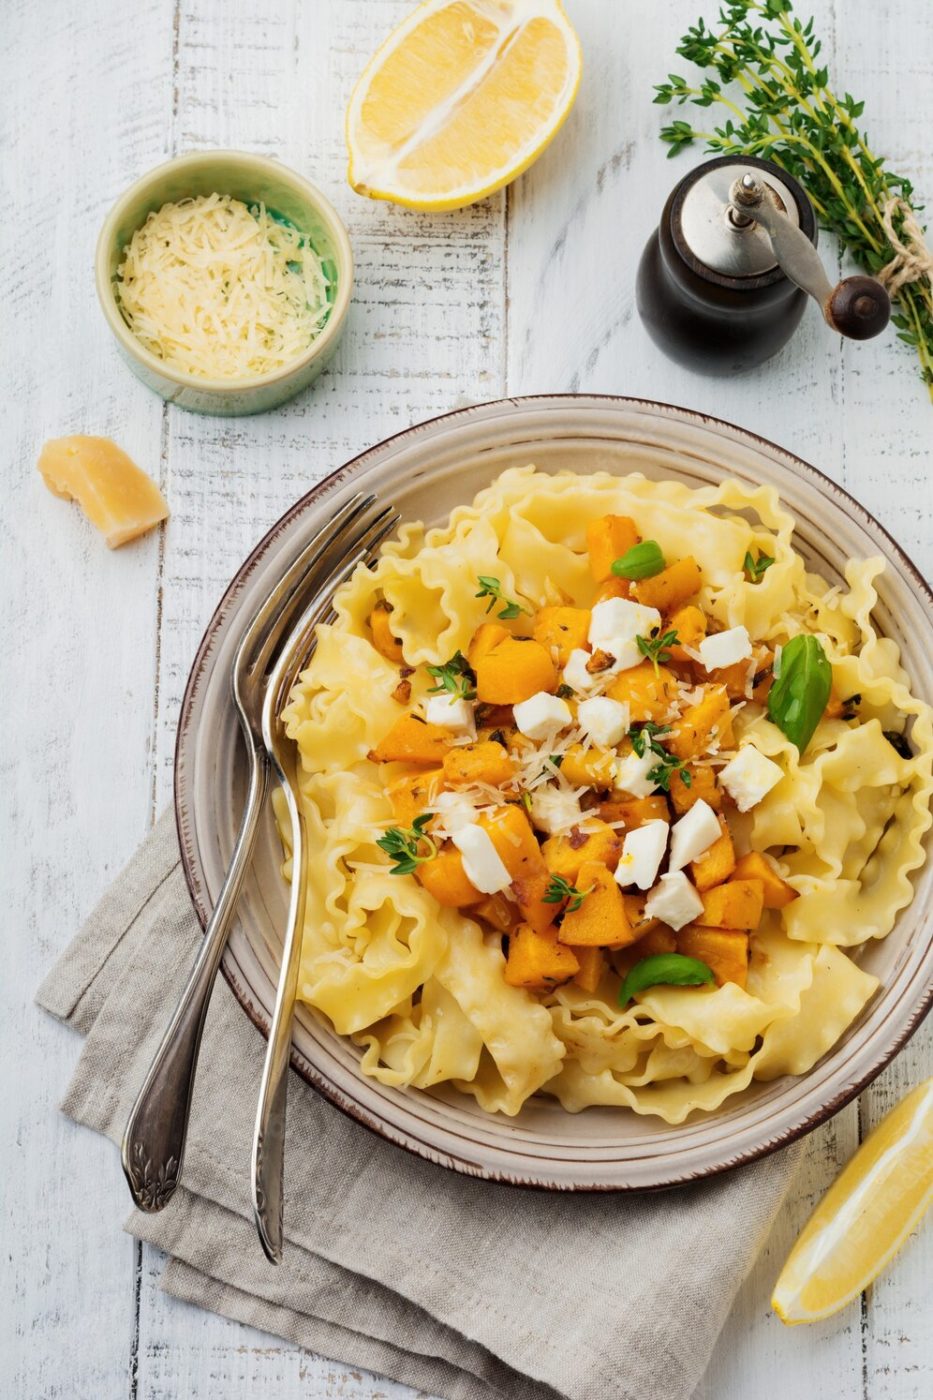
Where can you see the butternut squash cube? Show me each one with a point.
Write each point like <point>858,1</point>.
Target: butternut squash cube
<point>672,587</point>
<point>641,922</point>
<point>600,921</point>
<point>716,864</point>
<point>634,811</point>
<point>413,740</point>
<point>513,670</point>
<point>755,866</point>
<point>648,696</point>
<point>513,837</point>
<point>607,539</point>
<point>690,625</point>
<point>702,784</point>
<point>498,912</point>
<point>737,676</point>
<point>388,646</point>
<point>592,967</point>
<point>693,731</point>
<point>486,636</point>
<point>529,891</point>
<point>537,961</point>
<point>724,951</point>
<point>413,794</point>
<point>736,904</point>
<point>612,587</point>
<point>564,629</point>
<point>485,762</point>
<point>656,940</point>
<point>446,879</point>
<point>588,767</point>
<point>564,855</point>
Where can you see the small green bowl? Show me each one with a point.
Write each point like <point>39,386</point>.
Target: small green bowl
<point>251,179</point>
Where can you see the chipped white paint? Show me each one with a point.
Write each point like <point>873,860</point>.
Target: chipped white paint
<point>531,291</point>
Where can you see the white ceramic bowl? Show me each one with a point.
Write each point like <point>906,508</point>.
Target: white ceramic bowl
<point>424,472</point>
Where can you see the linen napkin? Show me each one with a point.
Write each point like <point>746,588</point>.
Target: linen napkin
<point>463,1289</point>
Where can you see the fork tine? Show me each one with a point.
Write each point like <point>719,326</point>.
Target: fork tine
<point>280,600</point>
<point>362,543</point>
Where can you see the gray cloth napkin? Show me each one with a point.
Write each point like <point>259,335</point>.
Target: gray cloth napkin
<point>461,1288</point>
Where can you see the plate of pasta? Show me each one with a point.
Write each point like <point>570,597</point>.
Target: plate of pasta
<point>616,767</point>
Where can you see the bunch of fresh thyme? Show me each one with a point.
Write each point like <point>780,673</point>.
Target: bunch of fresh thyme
<point>785,112</point>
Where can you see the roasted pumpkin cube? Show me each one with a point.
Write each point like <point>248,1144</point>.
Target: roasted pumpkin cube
<point>607,539</point>
<point>612,587</point>
<point>413,794</point>
<point>498,912</point>
<point>738,677</point>
<point>565,854</point>
<point>486,636</point>
<point>634,811</point>
<point>588,767</point>
<point>717,864</point>
<point>600,921</point>
<point>672,587</point>
<point>641,922</point>
<point>755,866</point>
<point>702,784</point>
<point>736,904</point>
<point>529,892</point>
<point>513,670</point>
<point>655,940</point>
<point>693,731</point>
<point>690,625</point>
<point>385,643</point>
<point>561,629</point>
<point>513,837</point>
<point>592,967</point>
<point>724,951</point>
<point>648,694</point>
<point>537,960</point>
<point>413,740</point>
<point>485,762</point>
<point>446,879</point>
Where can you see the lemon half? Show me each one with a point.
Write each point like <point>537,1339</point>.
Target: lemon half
<point>865,1216</point>
<point>460,99</point>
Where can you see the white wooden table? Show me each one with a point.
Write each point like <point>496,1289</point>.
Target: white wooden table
<point>531,291</point>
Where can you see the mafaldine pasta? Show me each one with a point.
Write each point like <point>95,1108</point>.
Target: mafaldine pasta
<point>604,791</point>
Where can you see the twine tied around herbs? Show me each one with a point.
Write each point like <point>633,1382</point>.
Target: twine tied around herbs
<point>912,259</point>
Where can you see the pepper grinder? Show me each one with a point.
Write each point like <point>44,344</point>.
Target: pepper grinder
<point>723,281</point>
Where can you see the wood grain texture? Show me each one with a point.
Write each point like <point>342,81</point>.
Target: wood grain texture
<point>528,292</point>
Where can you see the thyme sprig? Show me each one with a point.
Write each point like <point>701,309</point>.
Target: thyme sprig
<point>656,648</point>
<point>560,889</point>
<point>782,109</point>
<point>408,846</point>
<point>456,676</point>
<point>491,588</point>
<point>645,739</point>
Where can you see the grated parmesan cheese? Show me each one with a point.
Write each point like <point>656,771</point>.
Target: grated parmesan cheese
<point>222,290</point>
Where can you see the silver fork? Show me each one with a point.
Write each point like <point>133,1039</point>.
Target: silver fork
<point>154,1139</point>
<point>268,1161</point>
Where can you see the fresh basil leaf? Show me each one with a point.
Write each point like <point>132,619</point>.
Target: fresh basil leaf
<point>664,969</point>
<point>801,689</point>
<point>641,561</point>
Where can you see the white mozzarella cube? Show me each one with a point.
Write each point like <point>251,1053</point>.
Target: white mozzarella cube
<point>625,654</point>
<point>454,810</point>
<point>642,852</point>
<point>541,715</point>
<point>725,648</point>
<point>481,860</point>
<point>448,712</point>
<point>673,900</point>
<point>631,774</point>
<point>575,673</point>
<point>602,720</point>
<point>619,620</point>
<point>554,809</point>
<point>692,836</point>
<point>749,777</point>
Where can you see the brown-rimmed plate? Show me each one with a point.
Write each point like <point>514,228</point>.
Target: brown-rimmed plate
<point>424,472</point>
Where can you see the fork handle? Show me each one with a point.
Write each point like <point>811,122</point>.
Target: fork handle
<point>154,1139</point>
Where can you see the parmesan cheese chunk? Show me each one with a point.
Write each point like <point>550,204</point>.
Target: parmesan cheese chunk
<point>122,501</point>
<point>642,853</point>
<point>481,860</point>
<point>692,836</point>
<point>674,901</point>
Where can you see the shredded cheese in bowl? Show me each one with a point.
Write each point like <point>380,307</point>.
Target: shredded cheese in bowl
<point>221,289</point>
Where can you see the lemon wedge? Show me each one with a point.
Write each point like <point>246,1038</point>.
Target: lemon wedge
<point>460,99</point>
<point>865,1216</point>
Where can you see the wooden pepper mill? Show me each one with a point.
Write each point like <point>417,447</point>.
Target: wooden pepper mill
<point>723,282</point>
